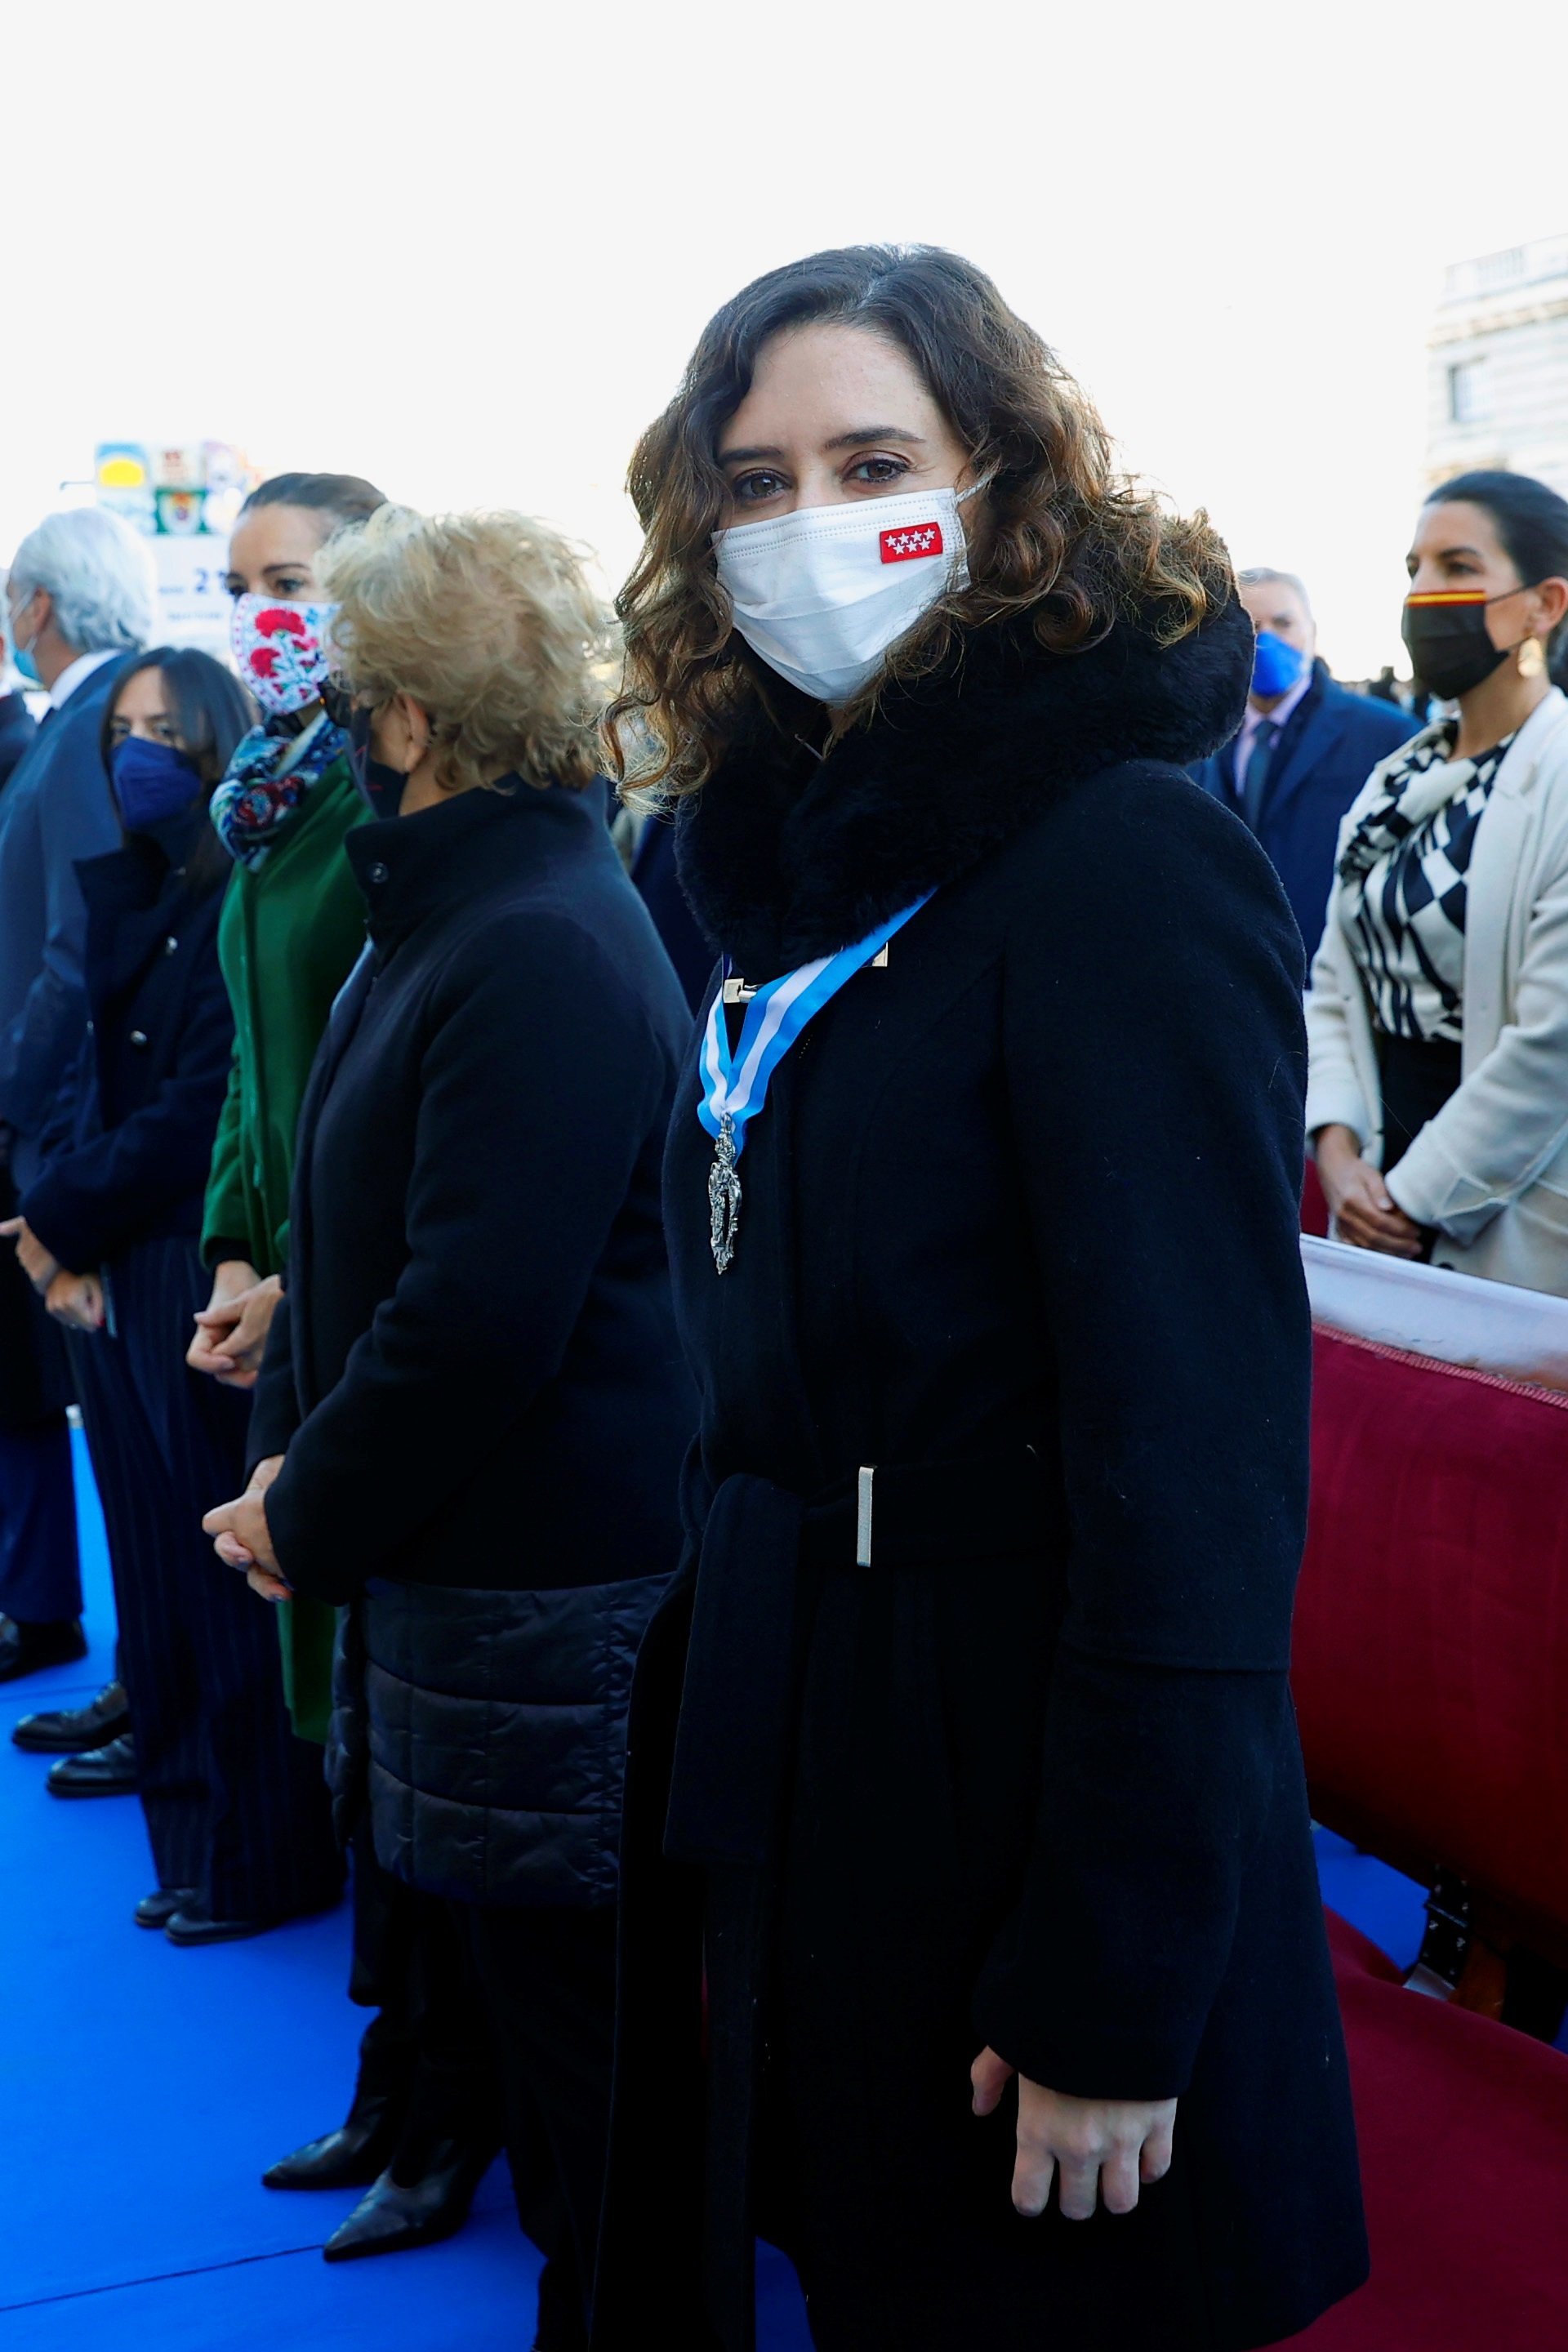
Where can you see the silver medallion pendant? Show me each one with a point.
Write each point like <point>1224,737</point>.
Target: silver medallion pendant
<point>724,1196</point>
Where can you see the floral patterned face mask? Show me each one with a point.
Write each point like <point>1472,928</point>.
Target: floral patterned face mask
<point>280,650</point>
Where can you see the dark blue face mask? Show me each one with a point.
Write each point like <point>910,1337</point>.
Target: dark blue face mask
<point>152,782</point>
<point>381,786</point>
<point>1276,666</point>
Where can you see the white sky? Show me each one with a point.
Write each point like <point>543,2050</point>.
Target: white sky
<point>465,248</point>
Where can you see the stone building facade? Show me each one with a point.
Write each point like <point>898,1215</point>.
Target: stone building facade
<point>1497,365</point>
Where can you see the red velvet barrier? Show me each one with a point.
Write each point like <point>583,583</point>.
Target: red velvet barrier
<point>1431,1644</point>
<point>1464,2139</point>
<point>1314,1207</point>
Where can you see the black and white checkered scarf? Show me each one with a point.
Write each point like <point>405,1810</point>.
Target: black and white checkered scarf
<point>1405,869</point>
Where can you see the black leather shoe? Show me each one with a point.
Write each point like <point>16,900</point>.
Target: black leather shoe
<point>25,1648</point>
<point>105,1772</point>
<point>363,2146</point>
<point>193,1927</point>
<point>70,1730</point>
<point>354,2156</point>
<point>156,1910</point>
<point>349,2158</point>
<point>392,2218</point>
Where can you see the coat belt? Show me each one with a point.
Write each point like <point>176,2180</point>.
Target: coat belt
<point>752,1604</point>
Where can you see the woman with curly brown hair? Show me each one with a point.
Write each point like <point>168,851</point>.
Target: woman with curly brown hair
<point>964,1755</point>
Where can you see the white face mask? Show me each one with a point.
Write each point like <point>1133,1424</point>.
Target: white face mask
<point>823,592</point>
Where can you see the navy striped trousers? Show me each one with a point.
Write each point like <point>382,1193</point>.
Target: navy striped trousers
<point>236,1806</point>
<point>39,1583</point>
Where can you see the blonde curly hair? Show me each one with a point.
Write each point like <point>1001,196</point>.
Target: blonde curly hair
<point>488,622</point>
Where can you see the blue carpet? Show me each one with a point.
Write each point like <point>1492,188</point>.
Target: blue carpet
<point>143,2090</point>
<point>1389,1908</point>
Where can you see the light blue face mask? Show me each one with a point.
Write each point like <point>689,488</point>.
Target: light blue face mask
<point>22,656</point>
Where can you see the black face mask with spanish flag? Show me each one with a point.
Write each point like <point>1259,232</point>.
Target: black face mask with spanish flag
<point>1446,636</point>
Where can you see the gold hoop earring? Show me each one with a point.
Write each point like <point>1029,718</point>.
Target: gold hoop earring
<point>1533,659</point>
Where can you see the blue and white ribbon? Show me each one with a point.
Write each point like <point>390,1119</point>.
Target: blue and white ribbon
<point>735,1087</point>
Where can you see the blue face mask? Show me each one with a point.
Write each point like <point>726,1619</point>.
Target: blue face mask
<point>22,657</point>
<point>381,786</point>
<point>151,780</point>
<point>1276,666</point>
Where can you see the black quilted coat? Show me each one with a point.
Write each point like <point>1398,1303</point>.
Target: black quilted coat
<point>476,1374</point>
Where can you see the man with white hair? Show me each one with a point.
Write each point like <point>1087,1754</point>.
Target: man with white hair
<point>79,602</point>
<point>1306,747</point>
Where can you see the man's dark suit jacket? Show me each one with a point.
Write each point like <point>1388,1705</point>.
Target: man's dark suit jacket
<point>17,729</point>
<point>1332,741</point>
<point>55,809</point>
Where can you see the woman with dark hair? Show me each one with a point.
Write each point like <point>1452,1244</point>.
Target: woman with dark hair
<point>290,929</point>
<point>237,1815</point>
<point>964,1760</point>
<point>1438,1013</point>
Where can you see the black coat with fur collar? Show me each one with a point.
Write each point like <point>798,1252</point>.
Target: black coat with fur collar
<point>1019,1228</point>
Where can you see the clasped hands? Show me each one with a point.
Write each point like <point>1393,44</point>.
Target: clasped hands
<point>1364,1211</point>
<point>242,1539</point>
<point>230,1340</point>
<point>1098,2151</point>
<point>73,1299</point>
<point>232,1327</point>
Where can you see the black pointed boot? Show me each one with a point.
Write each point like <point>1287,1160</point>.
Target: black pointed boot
<point>396,2215</point>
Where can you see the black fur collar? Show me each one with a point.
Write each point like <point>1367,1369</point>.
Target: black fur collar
<point>785,858</point>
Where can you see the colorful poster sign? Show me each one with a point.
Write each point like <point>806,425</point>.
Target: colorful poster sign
<point>186,495</point>
<point>125,481</point>
<point>173,489</point>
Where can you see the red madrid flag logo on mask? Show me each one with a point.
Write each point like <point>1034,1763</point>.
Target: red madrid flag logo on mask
<point>915,539</point>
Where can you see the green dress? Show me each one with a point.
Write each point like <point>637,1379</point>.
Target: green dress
<point>289,933</point>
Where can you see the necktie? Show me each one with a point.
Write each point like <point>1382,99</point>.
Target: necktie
<point>1256,776</point>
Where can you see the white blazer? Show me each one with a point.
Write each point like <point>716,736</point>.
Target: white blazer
<point>1491,1171</point>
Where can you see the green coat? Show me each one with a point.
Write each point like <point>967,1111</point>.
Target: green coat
<point>290,931</point>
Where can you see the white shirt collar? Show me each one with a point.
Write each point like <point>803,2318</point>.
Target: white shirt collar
<point>77,673</point>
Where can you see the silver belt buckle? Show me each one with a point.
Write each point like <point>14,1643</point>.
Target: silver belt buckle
<point>863,1485</point>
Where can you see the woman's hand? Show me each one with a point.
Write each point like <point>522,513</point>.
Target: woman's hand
<point>246,1343</point>
<point>37,1263</point>
<point>76,1299</point>
<point>1102,2149</point>
<point>242,1538</point>
<point>1364,1210</point>
<point>232,1329</point>
<point>232,1277</point>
